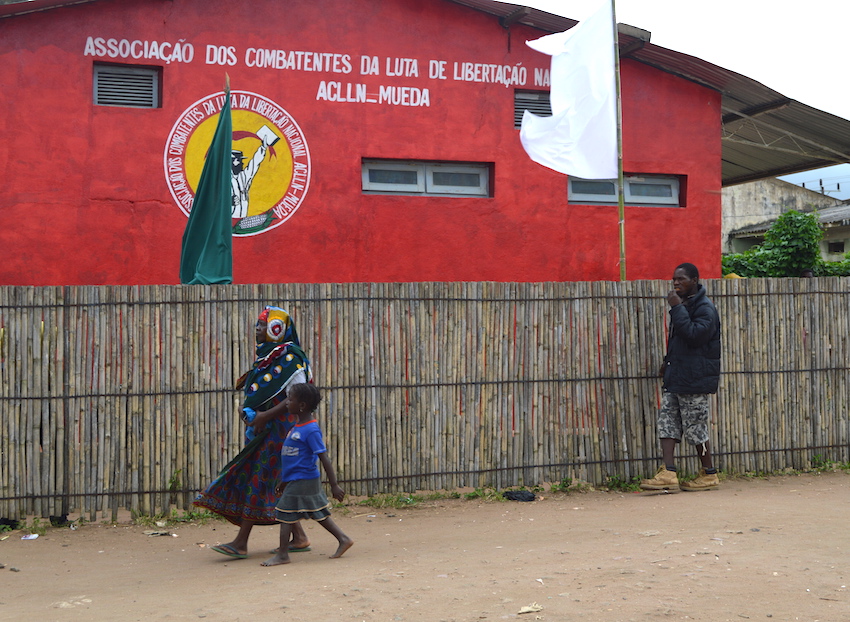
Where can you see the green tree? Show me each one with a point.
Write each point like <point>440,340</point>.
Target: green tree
<point>790,245</point>
<point>834,268</point>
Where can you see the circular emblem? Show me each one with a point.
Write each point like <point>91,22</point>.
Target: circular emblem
<point>270,161</point>
<point>275,329</point>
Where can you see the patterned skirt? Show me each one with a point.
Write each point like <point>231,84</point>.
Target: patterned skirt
<point>303,499</point>
<point>244,490</point>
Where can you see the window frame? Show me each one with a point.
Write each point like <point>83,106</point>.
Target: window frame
<point>389,165</point>
<point>426,185</point>
<point>836,247</point>
<point>481,190</point>
<point>637,200</point>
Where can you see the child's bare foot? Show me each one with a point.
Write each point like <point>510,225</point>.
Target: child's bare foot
<point>344,545</point>
<point>295,547</point>
<point>277,560</point>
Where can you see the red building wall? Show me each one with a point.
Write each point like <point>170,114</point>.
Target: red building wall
<point>86,198</point>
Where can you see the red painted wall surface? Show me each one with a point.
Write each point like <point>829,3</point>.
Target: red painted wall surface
<point>85,198</point>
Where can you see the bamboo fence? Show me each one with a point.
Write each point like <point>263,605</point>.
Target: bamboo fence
<point>121,397</point>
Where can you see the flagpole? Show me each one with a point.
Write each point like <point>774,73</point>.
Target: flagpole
<point>621,208</point>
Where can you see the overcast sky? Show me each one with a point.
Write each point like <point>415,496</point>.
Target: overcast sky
<point>795,47</point>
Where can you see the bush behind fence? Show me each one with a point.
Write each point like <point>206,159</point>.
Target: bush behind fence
<point>121,397</point>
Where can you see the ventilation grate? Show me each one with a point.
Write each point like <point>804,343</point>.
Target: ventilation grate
<point>536,102</point>
<point>133,87</point>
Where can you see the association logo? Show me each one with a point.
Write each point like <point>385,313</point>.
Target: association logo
<point>270,166</point>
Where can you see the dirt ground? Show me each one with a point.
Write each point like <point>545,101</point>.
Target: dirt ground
<point>756,549</point>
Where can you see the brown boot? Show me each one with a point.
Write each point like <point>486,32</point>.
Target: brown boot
<point>703,481</point>
<point>663,480</point>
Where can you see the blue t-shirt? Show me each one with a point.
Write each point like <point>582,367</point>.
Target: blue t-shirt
<point>298,456</point>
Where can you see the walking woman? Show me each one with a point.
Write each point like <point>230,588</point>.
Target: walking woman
<point>244,491</point>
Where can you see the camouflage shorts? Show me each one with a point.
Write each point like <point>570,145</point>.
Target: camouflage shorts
<point>685,415</point>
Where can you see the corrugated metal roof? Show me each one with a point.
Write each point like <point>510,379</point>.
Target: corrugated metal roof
<point>765,134</point>
<point>531,17</point>
<point>33,6</point>
<point>838,215</point>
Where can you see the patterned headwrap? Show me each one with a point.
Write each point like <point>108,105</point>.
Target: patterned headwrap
<point>279,361</point>
<point>279,326</point>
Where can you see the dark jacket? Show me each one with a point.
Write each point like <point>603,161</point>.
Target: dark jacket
<point>692,364</point>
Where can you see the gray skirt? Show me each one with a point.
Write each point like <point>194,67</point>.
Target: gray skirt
<point>302,499</point>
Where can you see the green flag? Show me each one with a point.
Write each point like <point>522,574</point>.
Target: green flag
<point>207,253</point>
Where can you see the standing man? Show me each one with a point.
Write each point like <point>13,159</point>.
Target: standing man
<point>691,371</point>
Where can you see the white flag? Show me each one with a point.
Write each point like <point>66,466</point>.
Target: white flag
<point>580,138</point>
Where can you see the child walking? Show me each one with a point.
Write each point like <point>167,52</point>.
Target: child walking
<point>300,485</point>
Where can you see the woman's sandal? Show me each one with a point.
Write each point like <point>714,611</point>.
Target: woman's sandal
<point>226,549</point>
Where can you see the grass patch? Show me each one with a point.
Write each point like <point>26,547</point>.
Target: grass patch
<point>568,485</point>
<point>404,499</point>
<point>818,464</point>
<point>562,486</point>
<point>615,483</point>
<point>822,464</point>
<point>36,527</point>
<point>485,494</point>
<point>175,517</point>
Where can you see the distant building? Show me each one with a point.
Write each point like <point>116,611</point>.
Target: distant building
<point>750,209</point>
<point>833,219</point>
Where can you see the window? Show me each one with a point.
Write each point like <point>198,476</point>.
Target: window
<point>131,86</point>
<point>637,190</point>
<point>835,247</point>
<point>533,101</point>
<point>426,178</point>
